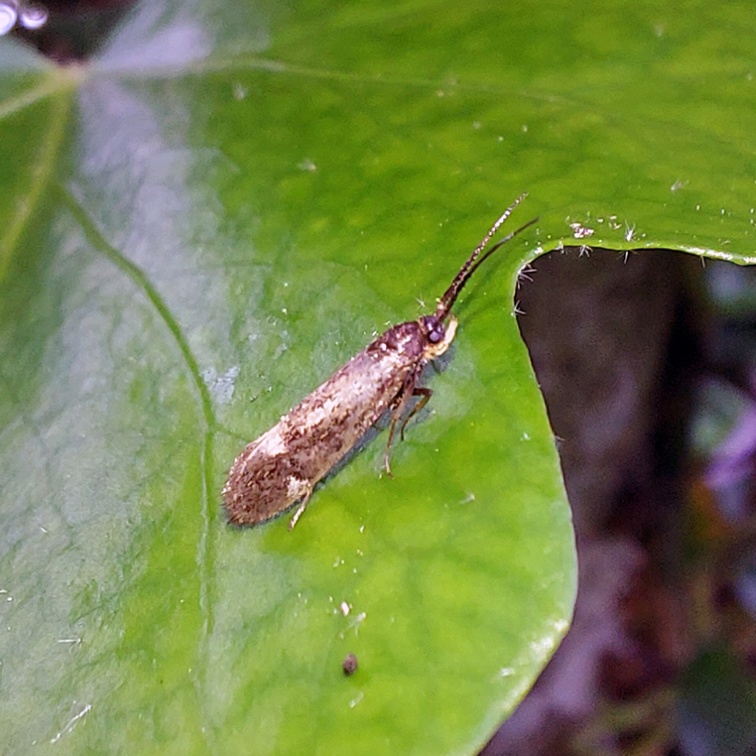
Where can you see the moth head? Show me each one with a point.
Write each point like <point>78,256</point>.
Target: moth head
<point>439,335</point>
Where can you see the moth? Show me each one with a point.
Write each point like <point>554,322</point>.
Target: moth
<point>282,466</point>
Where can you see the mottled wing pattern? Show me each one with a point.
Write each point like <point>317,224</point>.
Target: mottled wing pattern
<point>284,464</point>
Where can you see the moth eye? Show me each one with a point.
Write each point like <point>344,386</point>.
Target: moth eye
<point>436,335</point>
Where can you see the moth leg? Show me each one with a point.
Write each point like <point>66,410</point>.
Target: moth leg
<point>301,508</point>
<point>400,404</point>
<point>387,453</point>
<point>426,393</point>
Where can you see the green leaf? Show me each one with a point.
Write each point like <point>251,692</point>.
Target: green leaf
<point>197,228</point>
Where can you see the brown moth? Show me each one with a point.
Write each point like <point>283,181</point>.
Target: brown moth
<point>283,465</point>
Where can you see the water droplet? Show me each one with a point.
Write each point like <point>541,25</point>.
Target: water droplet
<point>8,17</point>
<point>33,17</point>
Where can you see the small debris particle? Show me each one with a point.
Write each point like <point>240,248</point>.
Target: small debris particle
<point>349,665</point>
<point>579,231</point>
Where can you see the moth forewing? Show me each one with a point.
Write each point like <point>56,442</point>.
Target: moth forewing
<point>285,463</point>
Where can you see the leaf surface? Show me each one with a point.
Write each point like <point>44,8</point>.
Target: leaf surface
<point>204,222</point>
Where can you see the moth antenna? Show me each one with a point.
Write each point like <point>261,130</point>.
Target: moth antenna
<point>465,272</point>
<point>498,244</point>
